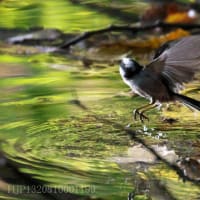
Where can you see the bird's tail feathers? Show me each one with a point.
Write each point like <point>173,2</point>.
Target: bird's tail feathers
<point>192,103</point>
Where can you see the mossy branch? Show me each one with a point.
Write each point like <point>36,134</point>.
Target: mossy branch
<point>132,28</point>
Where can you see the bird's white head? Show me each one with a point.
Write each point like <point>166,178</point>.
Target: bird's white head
<point>129,67</point>
<point>128,63</point>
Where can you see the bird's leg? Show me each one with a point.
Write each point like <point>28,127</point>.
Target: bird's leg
<point>137,110</point>
<point>143,108</point>
<point>142,116</point>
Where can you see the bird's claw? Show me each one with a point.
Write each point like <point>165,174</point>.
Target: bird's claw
<point>135,113</point>
<point>141,115</point>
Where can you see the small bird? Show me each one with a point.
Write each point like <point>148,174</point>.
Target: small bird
<point>160,81</point>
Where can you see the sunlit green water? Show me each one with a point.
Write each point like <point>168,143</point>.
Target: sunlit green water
<point>42,125</point>
<point>54,138</point>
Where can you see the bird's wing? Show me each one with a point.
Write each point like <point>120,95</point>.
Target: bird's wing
<point>179,63</point>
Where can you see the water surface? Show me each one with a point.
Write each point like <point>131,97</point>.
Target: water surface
<point>63,124</point>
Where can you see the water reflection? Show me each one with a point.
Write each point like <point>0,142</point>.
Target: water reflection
<point>53,139</point>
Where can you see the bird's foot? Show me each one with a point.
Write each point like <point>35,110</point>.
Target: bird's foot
<point>141,115</point>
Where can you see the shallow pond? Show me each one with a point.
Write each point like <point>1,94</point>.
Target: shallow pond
<point>65,125</point>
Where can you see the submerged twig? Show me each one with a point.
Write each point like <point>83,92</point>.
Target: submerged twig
<point>132,28</point>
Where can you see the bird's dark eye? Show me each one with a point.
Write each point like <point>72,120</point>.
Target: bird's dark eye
<point>129,72</point>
